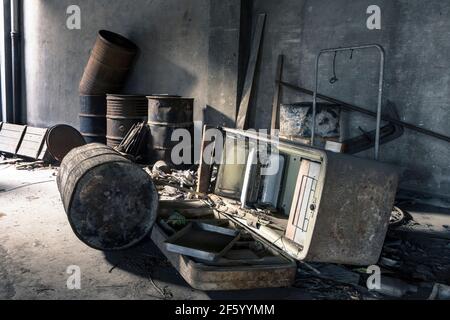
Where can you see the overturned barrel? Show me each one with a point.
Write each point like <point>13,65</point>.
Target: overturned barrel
<point>166,114</point>
<point>93,118</point>
<point>123,112</point>
<point>111,60</point>
<point>111,203</point>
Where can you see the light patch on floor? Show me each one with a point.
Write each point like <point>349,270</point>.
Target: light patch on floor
<point>37,246</point>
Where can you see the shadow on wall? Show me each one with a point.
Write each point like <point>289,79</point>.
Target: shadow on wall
<point>152,72</point>
<point>155,72</point>
<point>171,36</point>
<point>214,117</point>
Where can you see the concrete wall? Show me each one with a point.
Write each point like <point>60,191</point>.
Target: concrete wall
<point>195,48</point>
<point>173,37</point>
<point>415,35</point>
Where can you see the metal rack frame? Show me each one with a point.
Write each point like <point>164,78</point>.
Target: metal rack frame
<point>380,90</point>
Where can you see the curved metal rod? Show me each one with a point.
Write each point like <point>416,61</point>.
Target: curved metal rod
<point>380,90</point>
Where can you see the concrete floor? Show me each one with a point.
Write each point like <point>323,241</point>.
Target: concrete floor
<point>37,246</point>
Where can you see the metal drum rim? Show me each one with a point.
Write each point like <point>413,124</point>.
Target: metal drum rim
<point>170,125</point>
<point>126,96</point>
<point>169,98</point>
<point>108,37</point>
<point>87,115</point>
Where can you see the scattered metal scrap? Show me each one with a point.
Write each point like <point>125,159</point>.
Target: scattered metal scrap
<point>366,141</point>
<point>174,184</point>
<point>328,286</point>
<point>202,240</point>
<point>32,165</point>
<point>135,141</point>
<point>418,257</point>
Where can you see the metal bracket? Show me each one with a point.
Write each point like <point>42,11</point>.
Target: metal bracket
<point>380,90</point>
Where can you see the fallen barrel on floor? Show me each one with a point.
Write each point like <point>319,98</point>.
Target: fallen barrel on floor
<point>111,203</point>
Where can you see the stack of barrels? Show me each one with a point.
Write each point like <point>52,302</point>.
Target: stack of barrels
<point>93,118</point>
<point>110,63</point>
<point>166,114</point>
<point>106,117</point>
<point>123,112</point>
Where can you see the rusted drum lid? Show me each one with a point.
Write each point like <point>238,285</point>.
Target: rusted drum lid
<point>62,139</point>
<point>114,206</point>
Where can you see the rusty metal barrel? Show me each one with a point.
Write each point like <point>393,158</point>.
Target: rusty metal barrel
<point>166,114</point>
<point>111,203</point>
<point>93,118</point>
<point>123,111</point>
<point>111,60</point>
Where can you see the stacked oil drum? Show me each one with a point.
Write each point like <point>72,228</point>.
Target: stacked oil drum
<point>166,114</point>
<point>110,63</point>
<point>93,118</point>
<point>123,112</point>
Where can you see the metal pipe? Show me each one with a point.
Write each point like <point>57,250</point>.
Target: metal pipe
<point>16,60</point>
<point>380,90</point>
<point>316,89</point>
<point>6,63</point>
<point>351,107</point>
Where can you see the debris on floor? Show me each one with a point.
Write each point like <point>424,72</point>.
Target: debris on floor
<point>174,184</point>
<point>412,266</point>
<point>134,142</point>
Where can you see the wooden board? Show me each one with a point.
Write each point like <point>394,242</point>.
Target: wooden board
<point>10,137</point>
<point>276,99</point>
<point>250,77</point>
<point>205,169</point>
<point>32,142</point>
<point>43,154</point>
